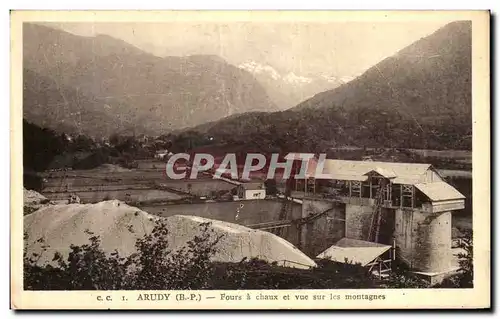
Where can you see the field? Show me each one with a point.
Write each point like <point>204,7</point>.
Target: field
<point>459,160</point>
<point>455,173</point>
<point>147,183</point>
<point>148,188</point>
<point>453,154</point>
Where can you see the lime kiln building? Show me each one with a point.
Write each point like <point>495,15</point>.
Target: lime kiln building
<point>405,206</point>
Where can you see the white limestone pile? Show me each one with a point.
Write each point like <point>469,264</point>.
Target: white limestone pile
<point>238,242</point>
<point>119,225</point>
<point>63,225</point>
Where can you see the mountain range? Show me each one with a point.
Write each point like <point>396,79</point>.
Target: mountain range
<point>418,98</point>
<point>287,89</point>
<point>99,85</point>
<point>426,81</point>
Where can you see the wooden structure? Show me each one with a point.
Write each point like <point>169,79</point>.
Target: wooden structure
<point>381,184</point>
<point>409,202</point>
<point>376,258</point>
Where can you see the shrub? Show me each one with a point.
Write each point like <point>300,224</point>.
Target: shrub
<point>401,277</point>
<point>33,181</point>
<point>155,267</point>
<point>465,276</point>
<point>271,188</point>
<point>88,267</point>
<point>258,274</point>
<point>29,210</point>
<point>405,280</point>
<point>466,260</point>
<point>95,159</point>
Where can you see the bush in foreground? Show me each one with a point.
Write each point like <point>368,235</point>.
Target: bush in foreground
<point>155,267</point>
<point>465,276</point>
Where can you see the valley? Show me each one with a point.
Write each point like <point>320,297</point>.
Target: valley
<point>102,117</point>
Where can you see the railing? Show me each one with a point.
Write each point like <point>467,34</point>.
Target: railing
<point>364,201</point>
<point>384,266</point>
<point>231,181</point>
<point>312,217</point>
<point>284,261</point>
<point>271,225</point>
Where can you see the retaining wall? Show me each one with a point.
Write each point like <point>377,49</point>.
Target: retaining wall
<point>324,231</point>
<point>251,212</point>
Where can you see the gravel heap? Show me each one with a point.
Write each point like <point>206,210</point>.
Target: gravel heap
<point>119,225</point>
<point>31,197</point>
<point>32,201</point>
<point>63,225</point>
<point>238,242</point>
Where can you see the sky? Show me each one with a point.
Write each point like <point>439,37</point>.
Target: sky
<point>339,49</point>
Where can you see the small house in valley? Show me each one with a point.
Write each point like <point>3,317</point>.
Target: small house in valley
<point>251,191</point>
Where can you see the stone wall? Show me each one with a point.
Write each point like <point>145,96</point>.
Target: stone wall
<point>324,231</point>
<point>358,221</point>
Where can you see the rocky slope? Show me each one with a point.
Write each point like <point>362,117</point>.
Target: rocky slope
<point>418,98</point>
<point>429,80</point>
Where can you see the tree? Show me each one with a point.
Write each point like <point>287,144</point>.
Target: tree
<point>465,276</point>
<point>155,267</point>
<point>466,261</point>
<point>40,146</point>
<point>82,143</point>
<point>271,188</point>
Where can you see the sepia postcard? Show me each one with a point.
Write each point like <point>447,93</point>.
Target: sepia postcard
<point>250,160</point>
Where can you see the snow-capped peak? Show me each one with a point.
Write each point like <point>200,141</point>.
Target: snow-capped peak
<point>257,68</point>
<point>296,79</point>
<point>292,78</point>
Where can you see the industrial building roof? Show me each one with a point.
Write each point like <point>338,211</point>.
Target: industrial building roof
<point>422,176</point>
<point>354,250</point>
<point>401,173</point>
<point>438,191</point>
<point>342,177</point>
<point>387,173</point>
